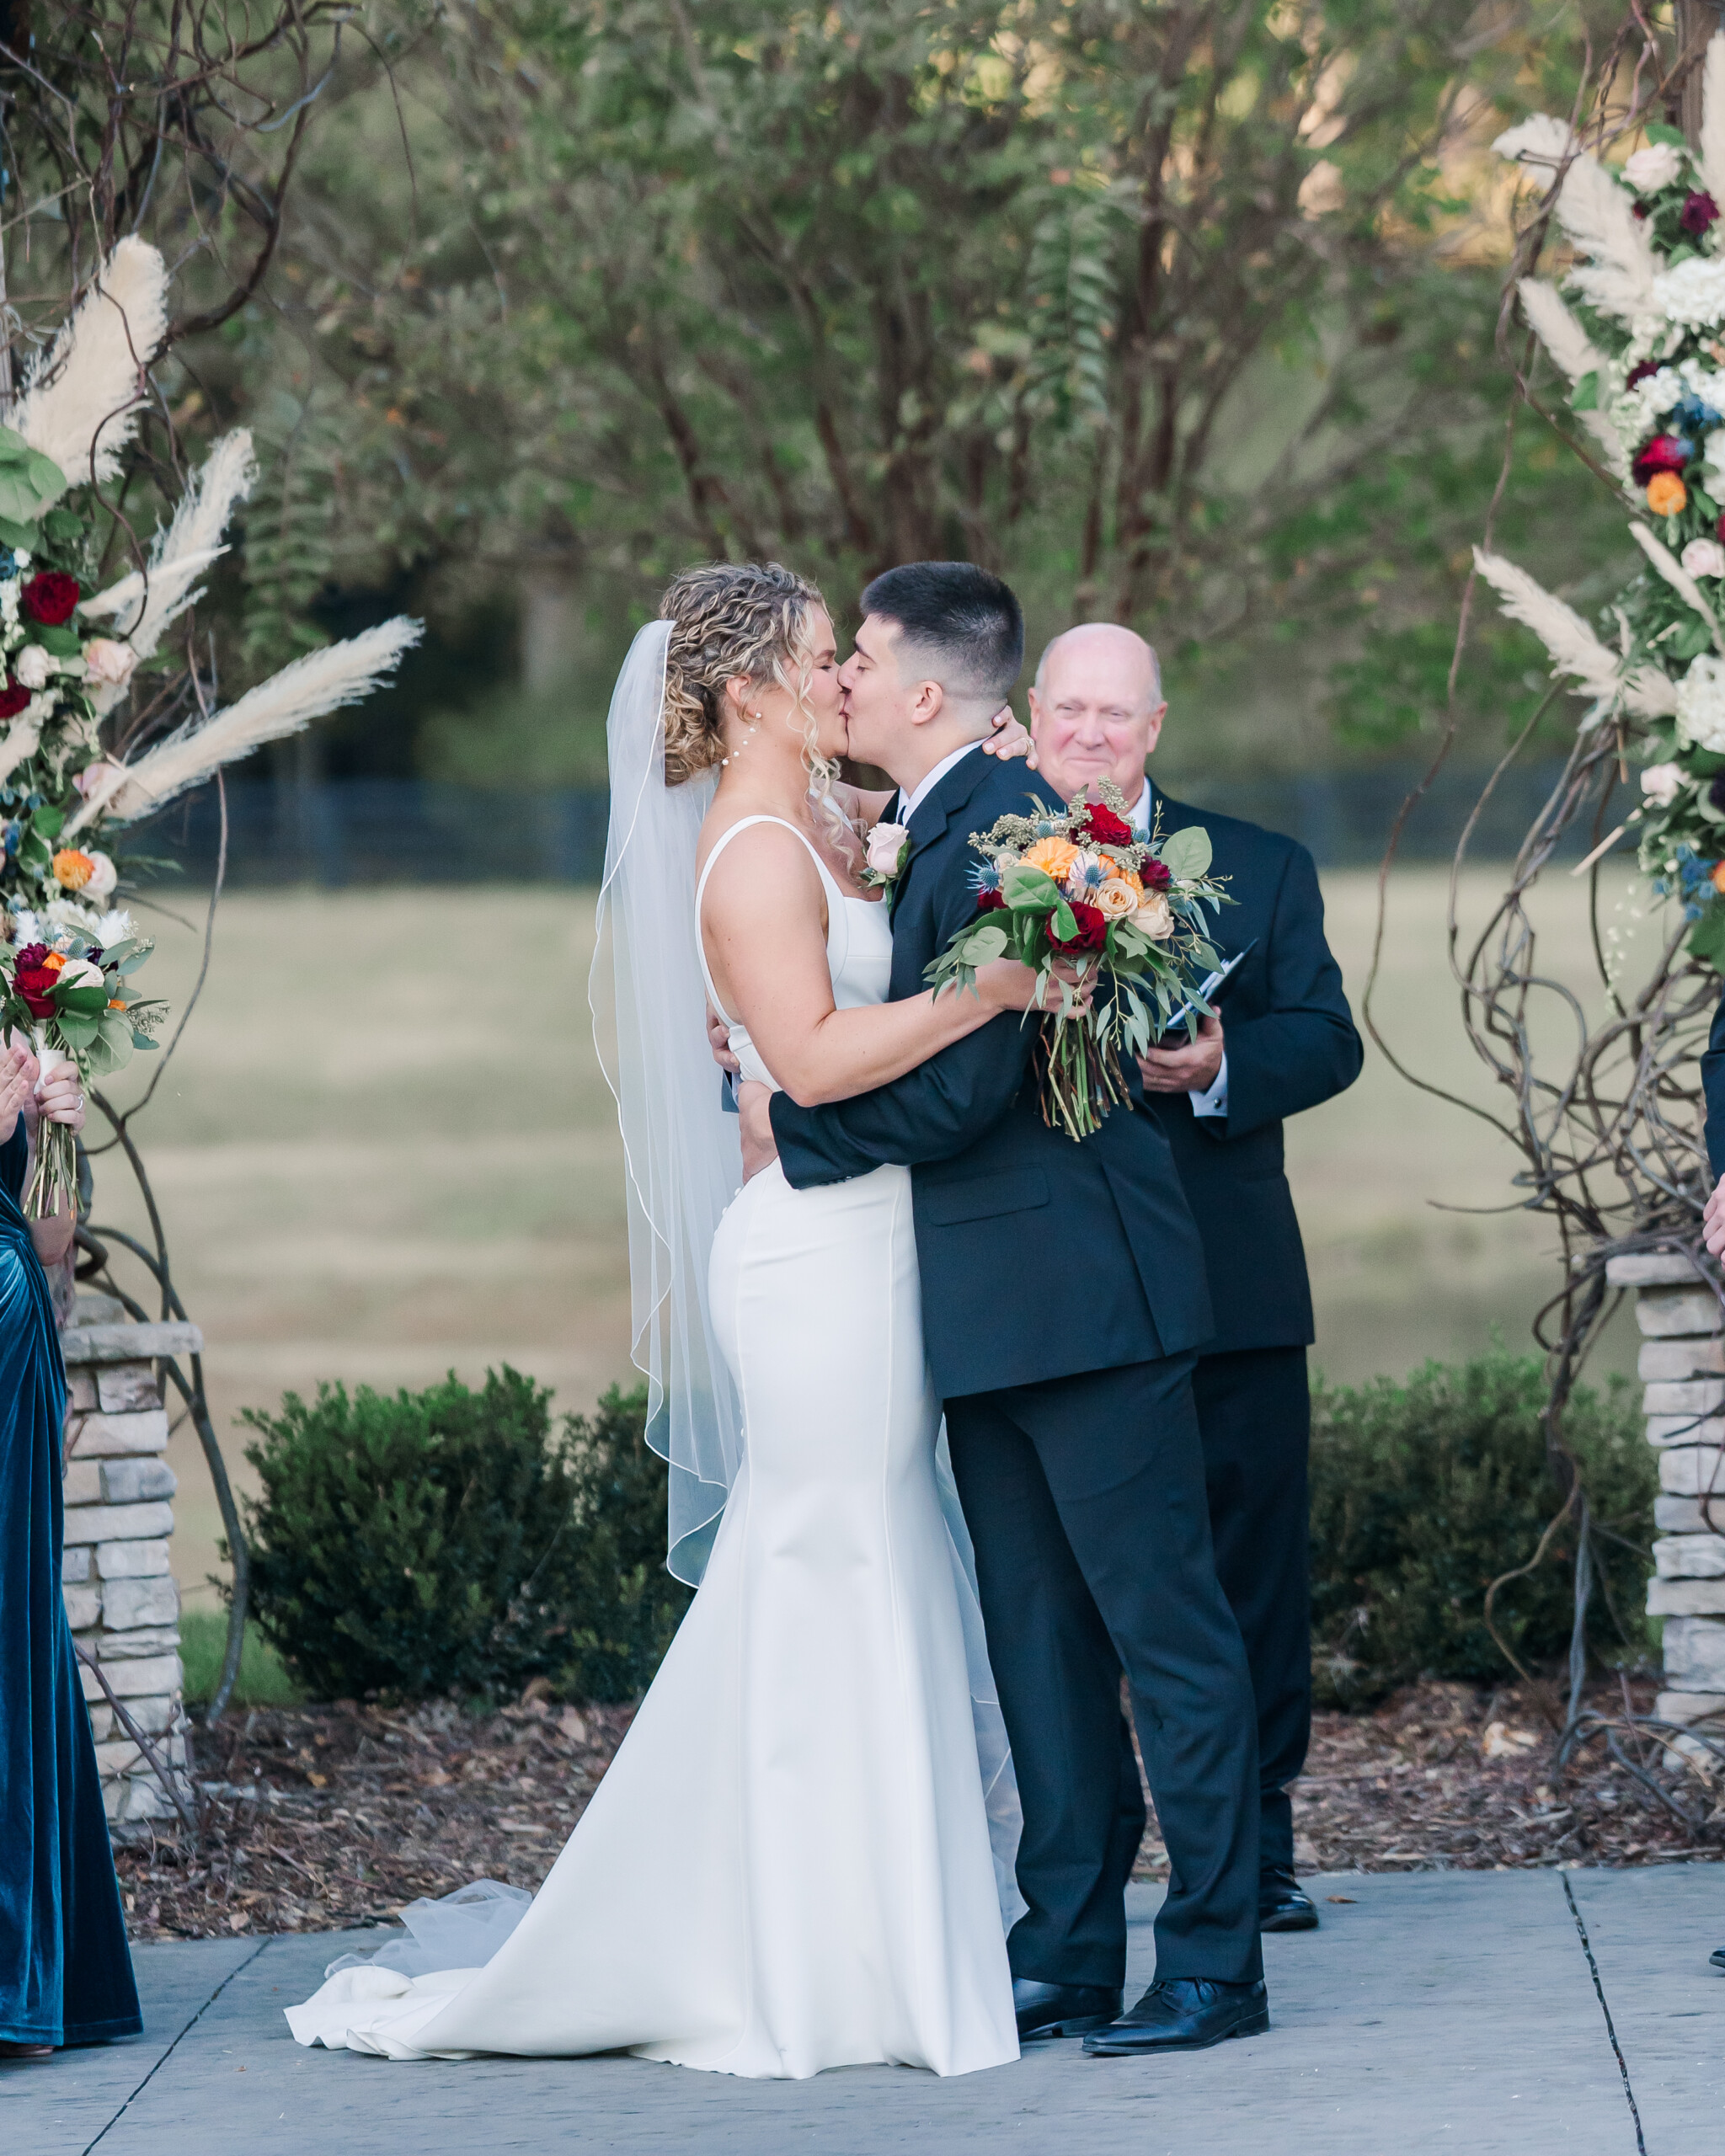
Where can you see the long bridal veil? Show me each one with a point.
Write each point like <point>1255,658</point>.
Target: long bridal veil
<point>683,1165</point>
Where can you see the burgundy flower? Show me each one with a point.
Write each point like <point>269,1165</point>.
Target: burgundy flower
<point>1156,876</point>
<point>50,597</point>
<point>1640,371</point>
<point>991,902</point>
<point>35,985</point>
<point>1664,453</point>
<point>12,698</point>
<point>1697,213</point>
<point>1103,827</point>
<point>1092,931</point>
<point>1638,210</point>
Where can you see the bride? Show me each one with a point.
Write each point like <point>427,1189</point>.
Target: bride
<point>789,1865</point>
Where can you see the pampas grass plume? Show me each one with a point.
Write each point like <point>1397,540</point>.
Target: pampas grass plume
<point>322,681</point>
<point>80,405</point>
<point>1597,214</point>
<point>1711,149</point>
<point>1574,649</point>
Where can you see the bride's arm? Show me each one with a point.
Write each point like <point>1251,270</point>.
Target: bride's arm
<point>762,917</point>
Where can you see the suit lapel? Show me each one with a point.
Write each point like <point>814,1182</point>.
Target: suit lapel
<point>948,800</point>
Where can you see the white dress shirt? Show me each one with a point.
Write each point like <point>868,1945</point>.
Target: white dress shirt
<point>1214,1099</point>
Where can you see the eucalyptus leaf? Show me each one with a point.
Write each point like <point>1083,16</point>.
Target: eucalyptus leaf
<point>983,945</point>
<point>1187,854</point>
<point>1028,888</point>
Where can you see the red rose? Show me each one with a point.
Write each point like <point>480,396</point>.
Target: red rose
<point>1103,827</point>
<point>12,699</point>
<point>991,902</point>
<point>35,985</point>
<point>1697,213</point>
<point>1664,453</point>
<point>1092,931</point>
<point>50,597</point>
<point>1156,876</point>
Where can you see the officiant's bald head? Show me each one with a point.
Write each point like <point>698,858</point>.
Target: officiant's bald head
<point>1097,708</point>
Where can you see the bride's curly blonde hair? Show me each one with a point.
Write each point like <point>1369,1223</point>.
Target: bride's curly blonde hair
<point>733,620</point>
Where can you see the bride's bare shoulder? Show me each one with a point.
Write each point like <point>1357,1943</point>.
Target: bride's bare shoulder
<point>770,856</point>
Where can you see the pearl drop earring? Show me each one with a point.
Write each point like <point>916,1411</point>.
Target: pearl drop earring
<point>754,720</point>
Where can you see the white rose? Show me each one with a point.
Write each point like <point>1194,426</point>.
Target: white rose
<point>1155,916</point>
<point>79,972</point>
<point>1704,557</point>
<point>1650,169</point>
<point>103,875</point>
<point>1662,783</point>
<point>33,668</point>
<point>109,661</point>
<point>886,842</point>
<point>1700,703</point>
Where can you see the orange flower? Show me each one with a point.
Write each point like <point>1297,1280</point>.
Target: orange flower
<point>1126,875</point>
<point>1053,856</point>
<point>54,962</point>
<point>72,870</point>
<point>1667,495</point>
<point>115,1004</point>
<point>1716,876</point>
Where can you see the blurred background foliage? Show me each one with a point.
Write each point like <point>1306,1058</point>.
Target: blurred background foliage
<point>1179,313</point>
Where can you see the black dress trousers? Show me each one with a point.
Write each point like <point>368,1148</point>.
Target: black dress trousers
<point>1254,1414</point>
<point>1087,1503</point>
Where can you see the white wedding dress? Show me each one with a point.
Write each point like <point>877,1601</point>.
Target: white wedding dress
<point>788,1866</point>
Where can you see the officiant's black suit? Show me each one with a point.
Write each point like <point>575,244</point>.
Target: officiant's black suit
<point>1290,1042</point>
<point>1064,1299</point>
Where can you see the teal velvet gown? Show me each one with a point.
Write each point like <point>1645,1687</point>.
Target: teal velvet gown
<point>65,1968</point>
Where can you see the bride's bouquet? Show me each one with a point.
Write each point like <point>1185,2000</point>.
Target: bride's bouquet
<point>1077,888</point>
<point>66,986</point>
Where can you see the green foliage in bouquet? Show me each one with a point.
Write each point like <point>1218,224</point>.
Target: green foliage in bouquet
<point>451,1541</point>
<point>1423,1493</point>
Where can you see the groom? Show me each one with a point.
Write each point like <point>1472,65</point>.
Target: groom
<point>1064,1299</point>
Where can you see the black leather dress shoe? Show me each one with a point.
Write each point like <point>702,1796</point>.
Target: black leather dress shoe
<point>1061,2009</point>
<point>1283,1904</point>
<point>1184,2014</point>
<point>1717,1958</point>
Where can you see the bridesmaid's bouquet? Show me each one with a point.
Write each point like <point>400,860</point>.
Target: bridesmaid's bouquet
<point>66,987</point>
<point>1077,887</point>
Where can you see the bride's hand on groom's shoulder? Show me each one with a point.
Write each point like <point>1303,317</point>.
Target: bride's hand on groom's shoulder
<point>760,1146</point>
<point>1009,739</point>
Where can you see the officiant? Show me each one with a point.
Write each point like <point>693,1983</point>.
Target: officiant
<point>1283,1039</point>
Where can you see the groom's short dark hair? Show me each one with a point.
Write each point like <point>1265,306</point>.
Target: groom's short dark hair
<point>967,623</point>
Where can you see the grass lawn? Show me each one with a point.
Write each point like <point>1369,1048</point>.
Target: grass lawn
<point>385,1150</point>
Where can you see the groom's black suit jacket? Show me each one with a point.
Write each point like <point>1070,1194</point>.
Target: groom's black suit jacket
<point>1290,1042</point>
<point>1039,1257</point>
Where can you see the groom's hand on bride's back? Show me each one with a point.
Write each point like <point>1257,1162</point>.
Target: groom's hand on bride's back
<point>760,1146</point>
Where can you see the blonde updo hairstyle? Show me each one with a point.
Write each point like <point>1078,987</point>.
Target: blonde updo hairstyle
<point>732,620</point>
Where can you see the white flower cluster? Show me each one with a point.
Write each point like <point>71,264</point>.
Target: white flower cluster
<point>1700,704</point>
<point>1635,413</point>
<point>1693,293</point>
<point>1660,164</point>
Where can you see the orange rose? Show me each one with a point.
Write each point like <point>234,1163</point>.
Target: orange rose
<point>72,870</point>
<point>1117,897</point>
<point>1667,495</point>
<point>1716,876</point>
<point>1053,856</point>
<point>54,962</point>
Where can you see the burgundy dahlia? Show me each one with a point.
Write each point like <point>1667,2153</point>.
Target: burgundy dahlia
<point>1697,213</point>
<point>1664,453</point>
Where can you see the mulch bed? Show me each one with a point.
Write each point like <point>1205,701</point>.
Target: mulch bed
<point>324,1818</point>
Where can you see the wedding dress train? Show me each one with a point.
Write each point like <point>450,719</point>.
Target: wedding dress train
<point>788,1866</point>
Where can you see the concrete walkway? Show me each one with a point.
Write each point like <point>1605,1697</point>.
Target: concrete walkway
<point>1454,2010</point>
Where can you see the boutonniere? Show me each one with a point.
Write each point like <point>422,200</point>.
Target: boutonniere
<point>884,850</point>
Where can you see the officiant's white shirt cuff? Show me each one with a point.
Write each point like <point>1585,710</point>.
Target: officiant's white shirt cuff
<point>1216,1101</point>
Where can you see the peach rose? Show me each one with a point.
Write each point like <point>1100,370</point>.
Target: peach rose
<point>1155,917</point>
<point>110,661</point>
<point>1053,856</point>
<point>1119,868</point>
<point>1117,897</point>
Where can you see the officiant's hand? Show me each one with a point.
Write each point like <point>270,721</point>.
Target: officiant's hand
<point>760,1146</point>
<point>1191,1067</point>
<point>1009,739</point>
<point>1713,1220</point>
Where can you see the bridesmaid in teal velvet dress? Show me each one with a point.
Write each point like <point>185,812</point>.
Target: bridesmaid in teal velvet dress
<point>65,1969</point>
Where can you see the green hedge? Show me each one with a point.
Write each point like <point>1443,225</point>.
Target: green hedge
<point>452,1541</point>
<point>1423,1493</point>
